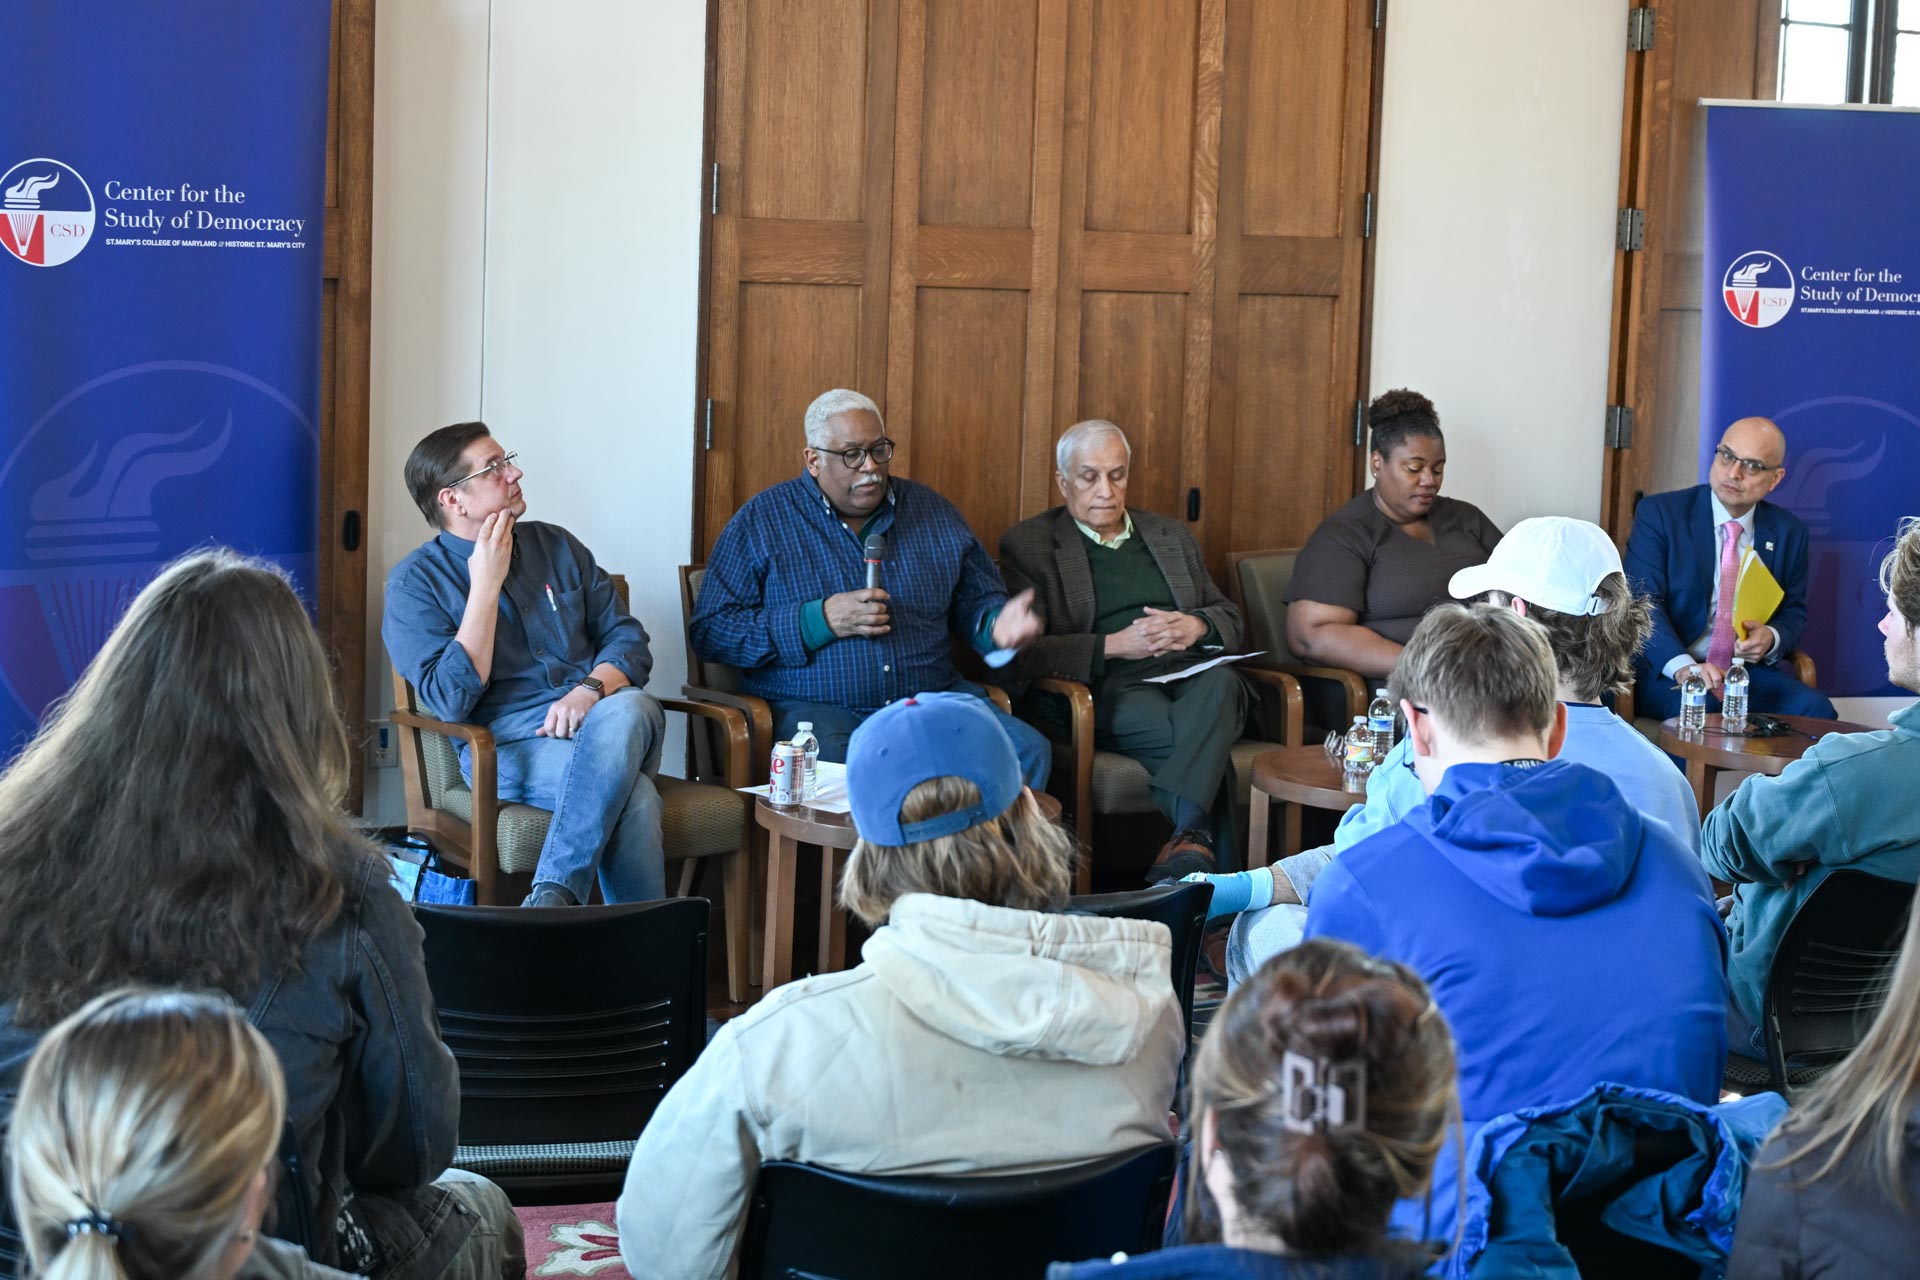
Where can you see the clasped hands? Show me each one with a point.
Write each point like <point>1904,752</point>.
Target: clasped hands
<point>1155,632</point>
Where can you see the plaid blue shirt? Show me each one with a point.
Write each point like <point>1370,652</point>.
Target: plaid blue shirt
<point>786,548</point>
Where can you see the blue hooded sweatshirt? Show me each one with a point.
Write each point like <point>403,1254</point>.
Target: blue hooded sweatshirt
<point>1567,941</point>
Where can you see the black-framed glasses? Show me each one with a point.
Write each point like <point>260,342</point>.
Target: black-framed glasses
<point>491,468</point>
<point>881,451</point>
<point>1752,466</point>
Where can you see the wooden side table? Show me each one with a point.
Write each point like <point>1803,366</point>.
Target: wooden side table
<point>787,828</point>
<point>1711,751</point>
<point>1295,776</point>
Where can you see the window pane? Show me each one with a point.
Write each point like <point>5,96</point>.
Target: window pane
<point>1906,70</point>
<point>1820,10</point>
<point>1813,64</point>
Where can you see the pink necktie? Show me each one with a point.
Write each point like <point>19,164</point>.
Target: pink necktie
<point>1720,651</point>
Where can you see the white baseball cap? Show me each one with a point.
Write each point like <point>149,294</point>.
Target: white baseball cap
<point>1552,561</point>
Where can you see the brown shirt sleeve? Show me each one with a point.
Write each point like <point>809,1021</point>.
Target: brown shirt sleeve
<point>1334,565</point>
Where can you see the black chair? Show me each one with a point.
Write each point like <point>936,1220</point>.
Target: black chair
<point>1180,907</point>
<point>569,1026</point>
<point>1831,973</point>
<point>817,1224</point>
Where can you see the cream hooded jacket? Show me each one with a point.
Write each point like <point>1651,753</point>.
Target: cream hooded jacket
<point>972,1039</point>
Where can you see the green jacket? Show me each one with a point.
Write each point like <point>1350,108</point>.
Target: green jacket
<point>1847,803</point>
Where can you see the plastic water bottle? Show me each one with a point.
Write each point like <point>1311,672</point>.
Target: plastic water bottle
<point>810,777</point>
<point>1359,758</point>
<point>1380,720</point>
<point>1733,698</point>
<point>1693,701</point>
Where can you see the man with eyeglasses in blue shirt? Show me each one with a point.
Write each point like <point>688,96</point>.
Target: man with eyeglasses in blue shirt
<point>784,598</point>
<point>513,626</point>
<point>1685,554</point>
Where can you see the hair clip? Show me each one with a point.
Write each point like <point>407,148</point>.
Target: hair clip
<point>1317,1096</point>
<point>98,1224</point>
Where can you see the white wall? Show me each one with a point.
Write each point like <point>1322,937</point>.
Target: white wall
<point>536,253</point>
<point>1499,179</point>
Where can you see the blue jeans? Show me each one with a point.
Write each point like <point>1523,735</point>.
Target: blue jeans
<point>599,785</point>
<point>834,725</point>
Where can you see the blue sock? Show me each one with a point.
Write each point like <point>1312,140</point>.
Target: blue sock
<point>1235,891</point>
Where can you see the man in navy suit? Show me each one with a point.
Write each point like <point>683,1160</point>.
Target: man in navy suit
<point>1685,552</point>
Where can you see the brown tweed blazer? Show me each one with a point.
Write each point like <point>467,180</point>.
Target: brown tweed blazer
<point>1048,553</point>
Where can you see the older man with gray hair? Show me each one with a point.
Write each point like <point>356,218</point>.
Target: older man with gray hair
<point>785,599</point>
<point>1127,597</point>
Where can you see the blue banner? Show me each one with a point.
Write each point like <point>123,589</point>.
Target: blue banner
<point>1810,315</point>
<point>162,205</point>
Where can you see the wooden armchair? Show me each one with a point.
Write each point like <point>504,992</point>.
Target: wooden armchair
<point>1089,781</point>
<point>498,844</point>
<point>1257,581</point>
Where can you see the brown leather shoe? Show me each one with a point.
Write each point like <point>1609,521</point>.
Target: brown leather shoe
<point>1187,852</point>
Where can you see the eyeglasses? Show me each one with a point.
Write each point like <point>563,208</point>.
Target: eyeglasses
<point>1752,466</point>
<point>881,451</point>
<point>491,468</point>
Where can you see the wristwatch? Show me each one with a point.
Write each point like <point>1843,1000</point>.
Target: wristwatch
<point>588,682</point>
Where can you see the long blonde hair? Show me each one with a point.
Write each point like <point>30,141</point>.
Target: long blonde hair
<point>177,821</point>
<point>142,1123</point>
<point>1017,859</point>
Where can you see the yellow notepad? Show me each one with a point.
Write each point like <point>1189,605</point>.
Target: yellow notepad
<point>1757,595</point>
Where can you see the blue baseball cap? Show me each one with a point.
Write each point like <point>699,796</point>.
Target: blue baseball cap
<point>930,735</point>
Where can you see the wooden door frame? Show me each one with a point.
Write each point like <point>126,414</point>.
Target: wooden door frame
<point>340,604</point>
<point>1639,276</point>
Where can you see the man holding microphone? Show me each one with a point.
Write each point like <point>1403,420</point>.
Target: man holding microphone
<point>777,601</point>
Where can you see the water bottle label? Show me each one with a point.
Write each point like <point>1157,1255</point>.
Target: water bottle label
<point>1381,724</point>
<point>1694,697</point>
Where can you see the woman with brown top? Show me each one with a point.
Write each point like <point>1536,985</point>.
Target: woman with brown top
<point>1377,564</point>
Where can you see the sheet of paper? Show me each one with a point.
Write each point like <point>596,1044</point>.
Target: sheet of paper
<point>1756,596</point>
<point>1198,667</point>
<point>830,789</point>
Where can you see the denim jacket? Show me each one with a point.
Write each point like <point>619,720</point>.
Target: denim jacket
<point>372,1093</point>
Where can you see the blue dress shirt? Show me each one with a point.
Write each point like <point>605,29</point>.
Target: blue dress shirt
<point>786,549</point>
<point>559,619</point>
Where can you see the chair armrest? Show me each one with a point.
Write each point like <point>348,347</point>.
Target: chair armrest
<point>482,763</point>
<point>1353,686</point>
<point>759,726</point>
<point>1280,692</point>
<point>1803,669</point>
<point>999,697</point>
<point>1079,709</point>
<point>739,762</point>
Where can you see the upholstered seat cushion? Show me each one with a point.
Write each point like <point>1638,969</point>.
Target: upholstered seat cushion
<point>697,819</point>
<point>1121,784</point>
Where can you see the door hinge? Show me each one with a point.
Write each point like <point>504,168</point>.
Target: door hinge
<point>1630,230</point>
<point>1619,427</point>
<point>708,445</point>
<point>1366,218</point>
<point>1639,29</point>
<point>1359,423</point>
<point>713,191</point>
<point>1379,9</point>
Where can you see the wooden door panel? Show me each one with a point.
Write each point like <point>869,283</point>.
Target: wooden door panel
<point>1133,372</point>
<point>1710,49</point>
<point>970,354</point>
<point>804,89</point>
<point>978,100</point>
<point>795,342</point>
<point>1280,490</point>
<point>1296,116</point>
<point>1141,109</point>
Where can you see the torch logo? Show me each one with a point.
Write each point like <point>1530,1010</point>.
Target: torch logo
<point>46,212</point>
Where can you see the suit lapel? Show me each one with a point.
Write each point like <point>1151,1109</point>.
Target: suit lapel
<point>1767,537</point>
<point>1706,557</point>
<point>1076,575</point>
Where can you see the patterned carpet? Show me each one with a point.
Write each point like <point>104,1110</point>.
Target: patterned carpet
<point>572,1240</point>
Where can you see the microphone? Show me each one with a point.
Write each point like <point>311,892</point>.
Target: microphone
<point>876,552</point>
